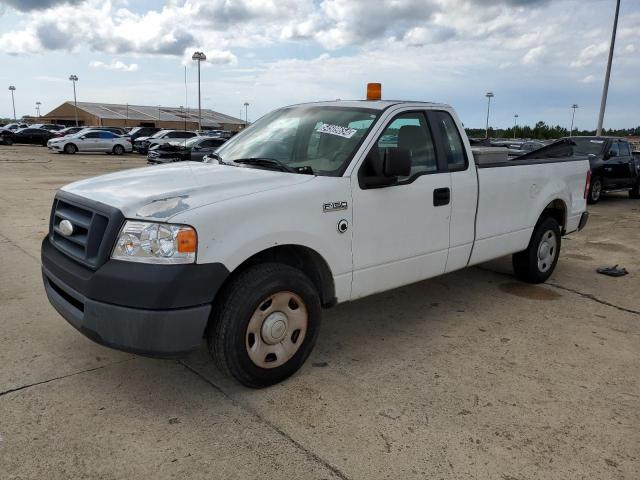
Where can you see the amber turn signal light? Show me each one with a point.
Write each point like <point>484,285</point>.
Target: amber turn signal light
<point>187,241</point>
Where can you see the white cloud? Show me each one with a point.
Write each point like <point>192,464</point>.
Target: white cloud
<point>588,79</point>
<point>115,65</point>
<point>534,55</point>
<point>590,54</point>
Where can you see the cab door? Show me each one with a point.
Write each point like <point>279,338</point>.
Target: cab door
<point>401,231</point>
<point>89,142</point>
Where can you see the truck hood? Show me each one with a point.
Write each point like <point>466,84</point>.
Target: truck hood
<point>162,191</point>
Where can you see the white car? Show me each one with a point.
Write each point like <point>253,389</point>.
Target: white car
<point>310,206</point>
<point>91,141</point>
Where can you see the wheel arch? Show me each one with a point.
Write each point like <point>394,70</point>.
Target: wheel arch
<point>556,209</point>
<point>305,259</point>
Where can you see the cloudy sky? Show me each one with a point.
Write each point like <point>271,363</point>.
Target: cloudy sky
<point>537,56</point>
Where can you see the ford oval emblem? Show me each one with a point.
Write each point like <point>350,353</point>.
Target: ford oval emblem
<point>66,228</point>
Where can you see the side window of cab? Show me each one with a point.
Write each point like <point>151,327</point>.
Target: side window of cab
<point>452,145</point>
<point>409,131</point>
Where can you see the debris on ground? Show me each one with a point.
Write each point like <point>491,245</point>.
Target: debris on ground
<point>613,271</point>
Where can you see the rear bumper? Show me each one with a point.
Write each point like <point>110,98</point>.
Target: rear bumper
<point>584,218</point>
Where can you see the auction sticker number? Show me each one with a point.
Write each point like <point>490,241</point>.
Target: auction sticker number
<point>337,130</point>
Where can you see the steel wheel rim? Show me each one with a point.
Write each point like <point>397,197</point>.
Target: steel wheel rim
<point>596,189</point>
<point>276,329</point>
<point>547,251</point>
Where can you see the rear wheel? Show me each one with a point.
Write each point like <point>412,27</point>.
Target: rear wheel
<point>537,262</point>
<point>635,190</point>
<point>118,149</point>
<point>264,324</point>
<point>70,148</point>
<point>595,190</point>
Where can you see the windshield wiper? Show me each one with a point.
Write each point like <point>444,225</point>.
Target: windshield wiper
<point>266,162</point>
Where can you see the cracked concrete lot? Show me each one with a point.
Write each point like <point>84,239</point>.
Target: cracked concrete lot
<point>472,375</point>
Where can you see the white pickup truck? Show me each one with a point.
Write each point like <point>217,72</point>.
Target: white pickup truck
<point>312,205</point>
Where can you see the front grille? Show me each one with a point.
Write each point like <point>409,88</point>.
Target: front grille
<point>94,229</point>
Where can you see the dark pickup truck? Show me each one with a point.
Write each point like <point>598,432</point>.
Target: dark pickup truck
<point>613,166</point>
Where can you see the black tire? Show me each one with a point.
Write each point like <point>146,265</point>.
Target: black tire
<point>595,191</point>
<point>635,190</point>
<point>527,265</point>
<point>8,141</point>
<point>70,149</point>
<point>118,150</point>
<point>228,336</point>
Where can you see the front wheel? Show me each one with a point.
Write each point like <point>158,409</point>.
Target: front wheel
<point>264,324</point>
<point>537,262</point>
<point>70,148</point>
<point>635,190</point>
<point>595,191</point>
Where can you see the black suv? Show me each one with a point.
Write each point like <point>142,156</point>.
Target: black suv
<point>613,166</point>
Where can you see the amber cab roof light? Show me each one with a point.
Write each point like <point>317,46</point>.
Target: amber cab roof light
<point>374,91</point>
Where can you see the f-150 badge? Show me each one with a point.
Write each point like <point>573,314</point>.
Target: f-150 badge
<point>334,206</point>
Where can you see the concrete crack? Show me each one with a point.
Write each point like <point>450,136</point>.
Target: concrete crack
<point>271,425</point>
<point>14,244</point>
<point>23,387</point>
<point>577,292</point>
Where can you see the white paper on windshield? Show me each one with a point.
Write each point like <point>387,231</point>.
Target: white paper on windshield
<point>596,141</point>
<point>337,130</point>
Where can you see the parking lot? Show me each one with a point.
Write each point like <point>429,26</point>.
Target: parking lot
<point>472,375</point>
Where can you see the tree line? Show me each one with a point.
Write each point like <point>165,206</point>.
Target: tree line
<point>542,131</point>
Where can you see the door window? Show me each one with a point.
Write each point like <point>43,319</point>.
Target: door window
<point>106,135</point>
<point>409,131</point>
<point>92,135</point>
<point>452,143</point>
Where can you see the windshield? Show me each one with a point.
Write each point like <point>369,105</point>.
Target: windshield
<point>588,146</point>
<point>322,138</point>
<point>159,134</point>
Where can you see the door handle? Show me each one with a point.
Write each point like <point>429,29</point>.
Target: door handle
<point>441,196</point>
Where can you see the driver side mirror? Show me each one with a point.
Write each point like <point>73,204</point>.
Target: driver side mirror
<point>382,169</point>
<point>610,154</point>
<point>396,162</point>
<point>83,137</point>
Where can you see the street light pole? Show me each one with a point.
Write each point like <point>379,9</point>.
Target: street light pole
<point>74,79</point>
<point>199,56</point>
<point>38,108</point>
<point>605,89</point>
<point>13,102</point>
<point>246,114</point>
<point>515,125</point>
<point>573,116</point>
<point>489,96</point>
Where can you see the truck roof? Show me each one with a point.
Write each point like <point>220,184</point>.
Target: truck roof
<point>371,104</point>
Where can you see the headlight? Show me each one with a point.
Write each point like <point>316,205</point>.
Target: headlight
<point>148,242</point>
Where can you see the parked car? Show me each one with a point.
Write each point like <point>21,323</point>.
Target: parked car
<point>67,131</point>
<point>35,136</point>
<point>142,144</point>
<point>612,165</point>
<point>48,126</point>
<point>15,126</point>
<point>194,149</point>
<point>137,132</point>
<point>246,252</point>
<point>116,130</point>
<point>91,141</point>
